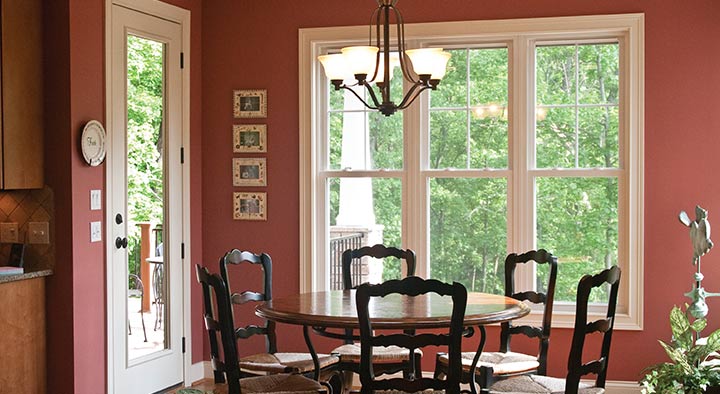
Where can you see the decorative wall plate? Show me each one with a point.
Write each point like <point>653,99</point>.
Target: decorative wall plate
<point>92,143</point>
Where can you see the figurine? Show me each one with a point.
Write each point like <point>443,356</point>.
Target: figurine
<point>700,237</point>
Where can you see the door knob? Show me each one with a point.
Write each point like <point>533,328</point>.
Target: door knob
<point>121,242</point>
<point>118,218</point>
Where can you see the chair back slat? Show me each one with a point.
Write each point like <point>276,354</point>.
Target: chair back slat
<point>240,259</point>
<point>247,296</point>
<point>412,287</point>
<point>376,251</point>
<point>532,296</point>
<point>576,368</point>
<point>247,332</point>
<point>540,256</point>
<point>602,325</point>
<point>529,331</point>
<point>412,341</point>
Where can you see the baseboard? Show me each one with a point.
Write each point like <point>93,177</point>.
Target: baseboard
<point>621,387</point>
<point>199,371</point>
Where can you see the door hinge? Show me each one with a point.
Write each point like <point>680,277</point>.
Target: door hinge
<point>182,250</point>
<point>183,344</point>
<point>182,60</point>
<point>182,155</point>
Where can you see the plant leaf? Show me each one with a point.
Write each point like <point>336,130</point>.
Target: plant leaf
<point>699,325</point>
<point>680,326</point>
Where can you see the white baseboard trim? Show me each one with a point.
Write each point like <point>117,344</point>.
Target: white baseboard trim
<point>199,371</point>
<point>621,387</point>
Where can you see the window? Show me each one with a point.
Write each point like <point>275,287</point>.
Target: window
<point>532,140</point>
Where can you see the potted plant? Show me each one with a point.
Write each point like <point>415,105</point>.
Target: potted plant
<point>691,369</point>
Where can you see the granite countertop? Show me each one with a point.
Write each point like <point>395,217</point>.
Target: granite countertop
<point>26,275</point>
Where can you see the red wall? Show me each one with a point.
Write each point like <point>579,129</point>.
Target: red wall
<point>252,44</point>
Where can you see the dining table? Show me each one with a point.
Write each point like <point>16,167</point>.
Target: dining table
<point>333,313</point>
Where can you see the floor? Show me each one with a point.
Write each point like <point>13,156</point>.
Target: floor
<point>137,346</point>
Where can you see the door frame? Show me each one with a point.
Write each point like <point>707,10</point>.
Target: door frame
<point>180,16</point>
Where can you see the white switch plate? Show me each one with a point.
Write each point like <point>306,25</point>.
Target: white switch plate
<point>8,232</point>
<point>95,200</point>
<point>95,231</point>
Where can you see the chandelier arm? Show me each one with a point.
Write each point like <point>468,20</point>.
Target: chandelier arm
<point>376,16</point>
<point>412,94</point>
<point>360,98</point>
<point>404,67</point>
<point>374,98</point>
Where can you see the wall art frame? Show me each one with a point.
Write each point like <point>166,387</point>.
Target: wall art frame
<point>249,206</point>
<point>249,138</point>
<point>249,171</point>
<point>250,103</point>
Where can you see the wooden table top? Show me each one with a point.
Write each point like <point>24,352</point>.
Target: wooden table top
<point>336,309</point>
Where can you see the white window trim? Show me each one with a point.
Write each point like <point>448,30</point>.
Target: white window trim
<point>630,27</point>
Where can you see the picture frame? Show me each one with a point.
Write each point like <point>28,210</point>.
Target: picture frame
<point>250,103</point>
<point>249,206</point>
<point>249,138</point>
<point>249,171</point>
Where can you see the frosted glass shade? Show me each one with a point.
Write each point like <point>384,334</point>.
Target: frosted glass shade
<point>360,59</point>
<point>429,61</point>
<point>394,62</point>
<point>335,66</point>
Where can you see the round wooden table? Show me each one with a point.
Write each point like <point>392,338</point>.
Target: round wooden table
<point>336,309</point>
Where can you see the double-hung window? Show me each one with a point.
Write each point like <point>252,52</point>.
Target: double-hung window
<point>533,139</point>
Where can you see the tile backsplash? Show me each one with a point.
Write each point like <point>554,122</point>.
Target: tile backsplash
<point>22,207</point>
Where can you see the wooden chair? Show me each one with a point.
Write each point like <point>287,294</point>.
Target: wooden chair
<point>218,319</point>
<point>576,368</point>
<point>386,360</point>
<point>492,366</point>
<point>411,286</point>
<point>271,361</point>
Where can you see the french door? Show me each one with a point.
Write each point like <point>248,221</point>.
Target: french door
<point>145,202</point>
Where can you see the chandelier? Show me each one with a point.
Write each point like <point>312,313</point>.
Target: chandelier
<point>422,68</point>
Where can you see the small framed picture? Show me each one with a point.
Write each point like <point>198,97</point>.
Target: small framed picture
<point>249,206</point>
<point>249,138</point>
<point>249,172</point>
<point>250,103</point>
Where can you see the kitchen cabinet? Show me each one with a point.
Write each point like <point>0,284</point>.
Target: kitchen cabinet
<point>21,76</point>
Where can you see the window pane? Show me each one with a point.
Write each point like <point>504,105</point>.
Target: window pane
<point>555,139</point>
<point>448,139</point>
<point>468,232</point>
<point>555,74</point>
<point>452,91</point>
<point>365,140</point>
<point>489,139</point>
<point>364,211</point>
<point>489,77</point>
<point>598,137</point>
<point>577,221</point>
<point>599,73</point>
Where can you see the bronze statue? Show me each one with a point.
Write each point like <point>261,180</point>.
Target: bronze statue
<point>700,237</point>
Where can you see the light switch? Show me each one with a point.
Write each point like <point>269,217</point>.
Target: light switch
<point>95,200</point>
<point>8,232</point>
<point>95,231</point>
<point>38,233</point>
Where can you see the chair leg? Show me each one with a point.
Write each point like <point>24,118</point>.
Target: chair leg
<point>142,318</point>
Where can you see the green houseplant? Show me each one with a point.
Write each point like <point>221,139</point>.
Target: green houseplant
<point>689,370</point>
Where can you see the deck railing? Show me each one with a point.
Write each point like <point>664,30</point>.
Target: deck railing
<point>337,247</point>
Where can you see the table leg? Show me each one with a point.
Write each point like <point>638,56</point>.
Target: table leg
<point>473,366</point>
<point>314,355</point>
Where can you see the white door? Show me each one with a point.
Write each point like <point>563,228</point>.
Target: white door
<point>145,199</point>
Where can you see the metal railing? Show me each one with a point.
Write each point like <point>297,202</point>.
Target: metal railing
<point>337,247</point>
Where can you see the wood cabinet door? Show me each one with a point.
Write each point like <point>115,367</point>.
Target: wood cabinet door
<point>22,94</point>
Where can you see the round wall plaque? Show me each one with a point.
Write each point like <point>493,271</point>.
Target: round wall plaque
<point>92,143</point>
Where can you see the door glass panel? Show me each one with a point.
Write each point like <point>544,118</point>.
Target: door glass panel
<point>145,196</point>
